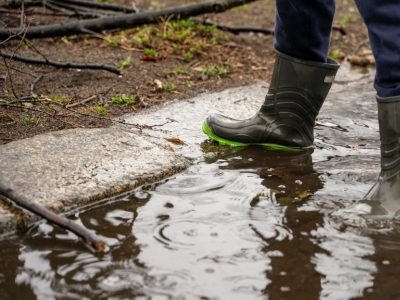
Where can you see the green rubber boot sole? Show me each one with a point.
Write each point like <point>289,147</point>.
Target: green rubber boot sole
<point>222,141</point>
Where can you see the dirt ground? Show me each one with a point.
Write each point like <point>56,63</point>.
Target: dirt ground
<point>194,59</point>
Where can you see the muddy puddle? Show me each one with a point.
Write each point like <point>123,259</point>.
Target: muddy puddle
<point>254,224</point>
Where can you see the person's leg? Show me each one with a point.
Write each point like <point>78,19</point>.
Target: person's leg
<point>303,28</point>
<point>383,22</point>
<point>382,18</point>
<point>300,82</point>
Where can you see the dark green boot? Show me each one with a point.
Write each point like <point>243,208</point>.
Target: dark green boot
<point>386,190</point>
<point>286,119</point>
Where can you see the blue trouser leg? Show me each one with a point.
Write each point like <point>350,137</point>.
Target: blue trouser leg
<point>303,28</point>
<point>383,21</point>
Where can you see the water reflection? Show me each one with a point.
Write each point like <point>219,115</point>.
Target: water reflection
<point>348,270</point>
<point>252,225</point>
<point>224,223</point>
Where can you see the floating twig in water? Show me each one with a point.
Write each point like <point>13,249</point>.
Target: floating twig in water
<point>89,237</point>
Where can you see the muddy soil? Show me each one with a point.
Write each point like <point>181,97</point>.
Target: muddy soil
<point>222,61</point>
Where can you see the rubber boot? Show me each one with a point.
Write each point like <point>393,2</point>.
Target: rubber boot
<point>386,191</point>
<point>286,119</point>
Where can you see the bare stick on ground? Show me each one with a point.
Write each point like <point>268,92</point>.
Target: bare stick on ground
<point>62,65</point>
<point>33,86</point>
<point>89,237</point>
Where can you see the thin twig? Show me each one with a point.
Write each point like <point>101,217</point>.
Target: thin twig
<point>33,86</point>
<point>23,17</point>
<point>78,12</point>
<point>80,102</point>
<point>57,10</point>
<point>13,121</point>
<point>104,6</point>
<point>89,237</point>
<point>18,70</point>
<point>52,115</point>
<point>66,65</point>
<point>9,75</point>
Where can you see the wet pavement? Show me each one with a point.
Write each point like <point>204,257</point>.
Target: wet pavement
<point>251,224</point>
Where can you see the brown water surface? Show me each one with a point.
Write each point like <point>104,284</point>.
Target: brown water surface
<point>256,224</point>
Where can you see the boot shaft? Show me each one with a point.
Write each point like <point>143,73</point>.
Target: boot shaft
<point>389,132</point>
<point>312,78</point>
<point>297,91</point>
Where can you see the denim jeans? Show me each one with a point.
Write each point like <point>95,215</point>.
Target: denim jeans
<point>303,29</point>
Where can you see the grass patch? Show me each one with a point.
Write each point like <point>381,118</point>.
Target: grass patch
<point>177,71</point>
<point>180,37</point>
<point>219,70</point>
<point>149,51</point>
<point>156,5</point>
<point>126,62</point>
<point>112,41</point>
<point>334,54</point>
<point>99,109</point>
<point>60,99</point>
<point>32,120</point>
<point>169,87</point>
<point>344,19</point>
<point>124,100</point>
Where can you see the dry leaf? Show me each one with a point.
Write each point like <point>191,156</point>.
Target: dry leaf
<point>198,69</point>
<point>364,53</point>
<point>353,147</point>
<point>148,58</point>
<point>175,141</point>
<point>256,68</point>
<point>158,83</point>
<point>304,194</point>
<point>362,60</point>
<point>169,148</point>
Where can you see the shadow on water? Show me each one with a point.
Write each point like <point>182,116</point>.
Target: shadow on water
<point>251,225</point>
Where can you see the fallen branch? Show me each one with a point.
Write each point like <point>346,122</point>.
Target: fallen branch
<point>62,65</point>
<point>124,21</point>
<point>89,237</point>
<point>80,102</point>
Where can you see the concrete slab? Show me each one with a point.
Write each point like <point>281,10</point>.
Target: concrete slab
<point>67,169</point>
